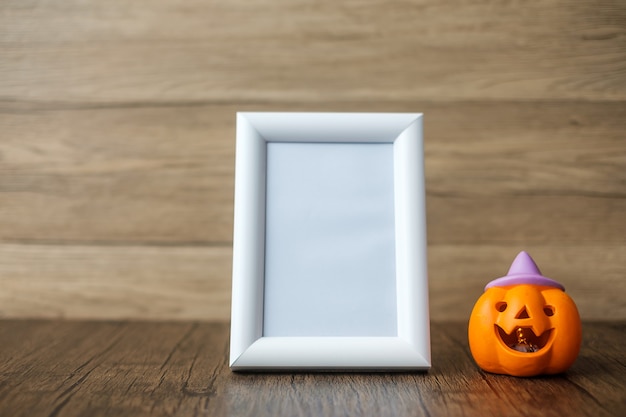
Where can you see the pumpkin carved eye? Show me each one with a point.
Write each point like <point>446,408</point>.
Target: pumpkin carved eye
<point>501,306</point>
<point>549,311</point>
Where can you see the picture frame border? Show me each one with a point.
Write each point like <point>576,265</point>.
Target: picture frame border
<point>249,349</point>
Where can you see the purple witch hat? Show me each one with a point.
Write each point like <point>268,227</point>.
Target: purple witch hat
<point>524,271</point>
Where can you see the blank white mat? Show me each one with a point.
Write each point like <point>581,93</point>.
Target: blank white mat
<point>330,267</point>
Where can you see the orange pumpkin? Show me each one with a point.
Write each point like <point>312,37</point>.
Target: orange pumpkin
<point>524,324</point>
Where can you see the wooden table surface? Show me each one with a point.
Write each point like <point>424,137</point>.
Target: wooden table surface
<point>95,368</point>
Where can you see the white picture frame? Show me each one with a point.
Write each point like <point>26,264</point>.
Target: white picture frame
<point>407,346</point>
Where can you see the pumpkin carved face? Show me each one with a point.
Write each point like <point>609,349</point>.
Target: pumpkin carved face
<point>524,329</point>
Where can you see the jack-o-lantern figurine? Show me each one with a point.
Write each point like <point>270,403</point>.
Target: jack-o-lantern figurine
<point>524,324</point>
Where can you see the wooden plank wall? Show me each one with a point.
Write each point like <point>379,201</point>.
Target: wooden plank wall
<point>117,140</point>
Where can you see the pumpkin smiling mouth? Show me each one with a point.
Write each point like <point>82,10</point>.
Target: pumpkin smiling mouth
<point>523,339</point>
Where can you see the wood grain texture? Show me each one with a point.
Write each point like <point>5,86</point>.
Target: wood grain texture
<point>99,205</point>
<point>178,283</point>
<point>117,140</point>
<point>175,50</point>
<point>147,282</point>
<point>506,171</point>
<point>65,368</point>
<point>131,175</point>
